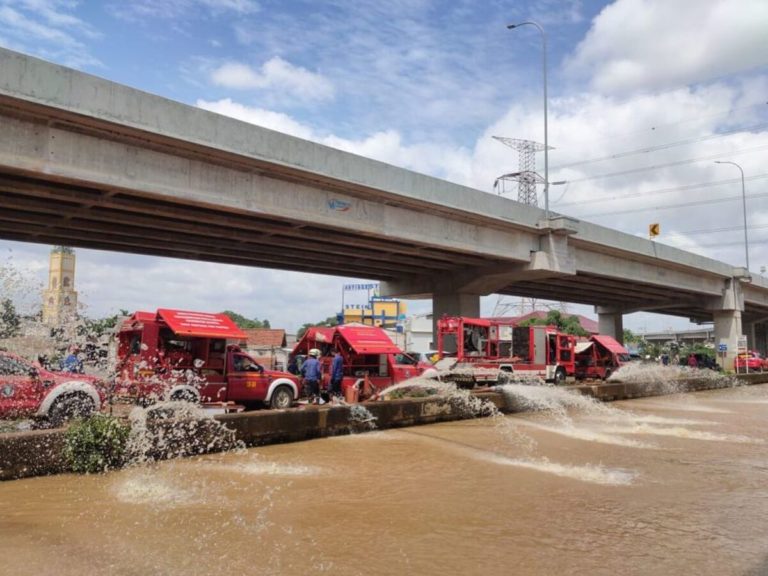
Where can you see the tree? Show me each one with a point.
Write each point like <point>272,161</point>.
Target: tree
<point>246,323</point>
<point>97,328</point>
<point>630,337</point>
<point>330,321</point>
<point>567,324</point>
<point>10,321</point>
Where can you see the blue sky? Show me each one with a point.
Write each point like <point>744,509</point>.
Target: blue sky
<point>644,95</point>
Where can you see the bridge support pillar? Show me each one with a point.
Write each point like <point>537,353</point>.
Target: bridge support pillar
<point>611,324</point>
<point>726,313</point>
<point>453,304</point>
<point>728,328</point>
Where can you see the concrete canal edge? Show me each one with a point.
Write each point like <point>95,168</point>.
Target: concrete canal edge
<point>40,452</point>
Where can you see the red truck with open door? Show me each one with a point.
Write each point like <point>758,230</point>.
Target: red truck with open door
<point>482,348</point>
<point>370,357</point>
<point>194,356</point>
<point>599,357</point>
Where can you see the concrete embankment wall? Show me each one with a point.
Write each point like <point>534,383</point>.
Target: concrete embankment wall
<point>38,453</point>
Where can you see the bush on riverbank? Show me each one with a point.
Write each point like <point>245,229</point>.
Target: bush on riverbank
<point>96,444</point>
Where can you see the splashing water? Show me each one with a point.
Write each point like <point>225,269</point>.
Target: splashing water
<point>145,488</point>
<point>594,474</point>
<point>361,419</point>
<point>582,433</point>
<point>172,429</point>
<point>669,379</point>
<point>685,433</point>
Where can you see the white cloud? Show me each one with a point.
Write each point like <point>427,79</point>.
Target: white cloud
<point>707,196</point>
<point>651,44</point>
<point>259,116</point>
<point>276,75</point>
<point>181,9</point>
<point>440,160</point>
<point>46,29</point>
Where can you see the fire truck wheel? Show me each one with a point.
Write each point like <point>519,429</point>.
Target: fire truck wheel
<point>69,407</point>
<point>560,375</point>
<point>282,397</point>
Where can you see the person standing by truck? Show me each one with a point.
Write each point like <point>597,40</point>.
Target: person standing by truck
<point>337,374</point>
<point>312,372</point>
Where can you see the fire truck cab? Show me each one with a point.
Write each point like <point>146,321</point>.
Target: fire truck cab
<point>486,347</point>
<point>194,356</point>
<point>370,357</point>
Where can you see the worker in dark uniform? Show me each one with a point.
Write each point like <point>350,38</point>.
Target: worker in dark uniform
<point>312,372</point>
<point>337,374</point>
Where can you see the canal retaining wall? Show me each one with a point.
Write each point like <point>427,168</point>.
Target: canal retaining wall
<point>40,452</point>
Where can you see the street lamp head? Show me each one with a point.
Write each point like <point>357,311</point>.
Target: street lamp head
<point>510,26</point>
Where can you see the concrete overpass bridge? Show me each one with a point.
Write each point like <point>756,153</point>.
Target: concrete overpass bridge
<point>90,163</point>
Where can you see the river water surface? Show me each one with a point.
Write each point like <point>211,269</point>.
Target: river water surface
<point>663,486</point>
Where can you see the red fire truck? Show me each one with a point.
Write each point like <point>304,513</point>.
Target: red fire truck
<point>482,348</point>
<point>599,357</point>
<point>370,356</point>
<point>194,356</point>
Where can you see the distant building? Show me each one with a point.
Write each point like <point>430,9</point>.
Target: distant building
<point>378,311</point>
<point>418,333</point>
<point>587,324</point>
<point>267,346</point>
<point>60,297</point>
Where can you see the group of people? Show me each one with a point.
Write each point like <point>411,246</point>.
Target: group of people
<point>312,375</point>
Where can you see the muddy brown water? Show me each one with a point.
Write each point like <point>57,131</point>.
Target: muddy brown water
<point>666,485</point>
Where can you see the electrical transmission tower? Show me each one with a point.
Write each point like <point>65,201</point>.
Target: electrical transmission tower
<point>526,176</point>
<point>526,179</point>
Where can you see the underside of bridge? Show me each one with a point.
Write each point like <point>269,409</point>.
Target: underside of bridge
<point>88,163</point>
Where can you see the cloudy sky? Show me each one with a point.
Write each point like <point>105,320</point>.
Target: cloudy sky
<point>644,96</point>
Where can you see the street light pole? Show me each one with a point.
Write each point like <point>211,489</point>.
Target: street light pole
<point>546,142</point>
<point>744,207</point>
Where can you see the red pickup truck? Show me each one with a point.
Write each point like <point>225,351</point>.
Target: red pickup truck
<point>27,390</point>
<point>194,356</point>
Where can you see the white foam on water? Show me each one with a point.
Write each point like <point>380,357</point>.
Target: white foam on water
<point>149,489</point>
<point>683,405</point>
<point>741,401</point>
<point>680,432</point>
<point>257,468</point>
<point>590,473</point>
<point>633,418</point>
<point>586,434</point>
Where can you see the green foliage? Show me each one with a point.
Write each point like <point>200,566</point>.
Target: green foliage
<point>567,324</point>
<point>651,349</point>
<point>97,328</point>
<point>10,321</point>
<point>630,337</point>
<point>330,321</point>
<point>96,444</point>
<point>246,323</point>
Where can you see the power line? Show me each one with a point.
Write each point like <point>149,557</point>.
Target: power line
<point>697,186</point>
<point>658,147</point>
<point>715,230</point>
<point>671,206</point>
<point>668,164</point>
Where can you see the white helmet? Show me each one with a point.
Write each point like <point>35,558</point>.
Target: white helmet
<point>314,352</point>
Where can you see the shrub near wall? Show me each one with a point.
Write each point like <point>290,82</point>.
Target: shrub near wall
<point>96,444</point>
